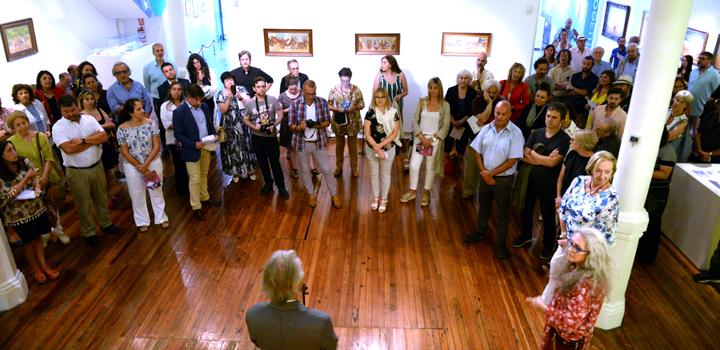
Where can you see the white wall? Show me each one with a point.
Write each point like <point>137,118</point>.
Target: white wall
<point>66,31</point>
<point>703,16</point>
<point>421,25</point>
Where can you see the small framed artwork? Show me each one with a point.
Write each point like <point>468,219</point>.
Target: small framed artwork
<point>377,44</point>
<point>717,53</point>
<point>18,39</point>
<point>288,42</point>
<point>694,43</point>
<point>616,20</point>
<point>465,44</point>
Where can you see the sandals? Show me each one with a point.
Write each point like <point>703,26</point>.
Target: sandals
<point>294,173</point>
<point>39,276</point>
<point>375,203</point>
<point>143,229</point>
<point>52,273</point>
<point>383,206</point>
<point>165,224</point>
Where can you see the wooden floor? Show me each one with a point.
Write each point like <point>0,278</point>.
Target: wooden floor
<point>399,280</point>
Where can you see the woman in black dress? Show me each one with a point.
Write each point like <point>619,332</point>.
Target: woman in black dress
<point>460,98</point>
<point>199,73</point>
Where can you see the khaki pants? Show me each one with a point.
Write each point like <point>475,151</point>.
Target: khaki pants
<point>471,179</point>
<point>198,182</point>
<point>340,151</point>
<point>88,188</point>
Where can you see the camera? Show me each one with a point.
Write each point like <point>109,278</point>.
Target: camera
<point>311,124</point>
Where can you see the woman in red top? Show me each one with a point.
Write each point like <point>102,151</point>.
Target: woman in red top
<point>515,91</point>
<point>49,94</point>
<point>570,318</point>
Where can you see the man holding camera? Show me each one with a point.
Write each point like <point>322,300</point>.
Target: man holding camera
<point>309,117</point>
<point>262,114</point>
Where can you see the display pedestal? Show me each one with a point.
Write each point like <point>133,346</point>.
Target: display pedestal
<point>13,287</point>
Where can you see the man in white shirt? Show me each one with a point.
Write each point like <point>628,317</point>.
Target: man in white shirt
<point>309,116</point>
<point>499,145</point>
<point>79,138</point>
<point>578,54</point>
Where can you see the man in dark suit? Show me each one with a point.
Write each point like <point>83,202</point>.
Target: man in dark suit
<point>170,74</point>
<point>193,123</point>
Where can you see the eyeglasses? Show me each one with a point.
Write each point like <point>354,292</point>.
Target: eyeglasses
<point>122,72</point>
<point>576,248</point>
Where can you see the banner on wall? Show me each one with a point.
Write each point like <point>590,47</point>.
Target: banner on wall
<point>591,21</point>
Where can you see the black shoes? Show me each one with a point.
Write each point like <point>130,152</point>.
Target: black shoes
<point>473,237</point>
<point>706,277</point>
<point>92,241</point>
<point>266,190</point>
<point>211,202</point>
<point>521,242</point>
<point>111,230</point>
<point>197,213</point>
<point>502,252</point>
<point>283,192</point>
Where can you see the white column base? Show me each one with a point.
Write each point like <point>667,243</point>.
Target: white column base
<point>611,315</point>
<point>13,292</point>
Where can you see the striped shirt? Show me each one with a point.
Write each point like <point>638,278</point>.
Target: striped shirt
<point>296,115</point>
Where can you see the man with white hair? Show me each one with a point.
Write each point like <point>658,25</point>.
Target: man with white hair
<point>284,322</point>
<point>481,74</point>
<point>629,64</point>
<point>599,65</point>
<point>578,54</point>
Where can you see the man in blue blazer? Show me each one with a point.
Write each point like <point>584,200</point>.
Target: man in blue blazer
<point>192,122</point>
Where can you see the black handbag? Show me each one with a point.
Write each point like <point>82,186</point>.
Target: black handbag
<point>340,118</point>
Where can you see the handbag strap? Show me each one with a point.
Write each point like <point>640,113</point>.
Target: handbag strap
<point>37,143</point>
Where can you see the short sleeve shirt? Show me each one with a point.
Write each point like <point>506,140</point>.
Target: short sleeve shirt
<point>559,141</point>
<point>138,139</point>
<point>263,113</point>
<point>377,130</point>
<point>496,147</point>
<point>65,130</point>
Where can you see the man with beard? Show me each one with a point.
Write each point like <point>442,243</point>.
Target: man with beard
<point>246,74</point>
<point>581,86</point>
<point>540,77</point>
<point>611,110</point>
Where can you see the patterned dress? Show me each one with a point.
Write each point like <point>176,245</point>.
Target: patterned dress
<point>236,152</point>
<point>580,209</point>
<point>344,98</point>
<point>572,314</point>
<point>393,90</point>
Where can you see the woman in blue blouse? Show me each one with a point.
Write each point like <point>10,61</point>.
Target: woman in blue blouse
<point>590,201</point>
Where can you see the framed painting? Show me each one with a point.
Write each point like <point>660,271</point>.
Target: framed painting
<point>288,42</point>
<point>616,20</point>
<point>465,44</point>
<point>716,53</point>
<point>377,44</point>
<point>18,39</point>
<point>694,43</point>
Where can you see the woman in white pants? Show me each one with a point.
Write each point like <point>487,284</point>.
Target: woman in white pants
<point>430,126</point>
<point>139,140</point>
<point>381,127</point>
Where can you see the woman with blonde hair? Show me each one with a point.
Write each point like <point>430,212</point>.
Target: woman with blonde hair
<point>590,201</point>
<point>283,322</point>
<point>582,145</point>
<point>677,123</point>
<point>515,90</point>
<point>430,126</point>
<point>381,128</point>
<point>583,280</point>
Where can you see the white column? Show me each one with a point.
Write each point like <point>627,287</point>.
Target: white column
<point>173,19</point>
<point>13,288</point>
<point>646,118</point>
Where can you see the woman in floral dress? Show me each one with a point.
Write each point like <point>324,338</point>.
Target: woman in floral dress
<point>238,159</point>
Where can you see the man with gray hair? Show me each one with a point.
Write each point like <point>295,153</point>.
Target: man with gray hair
<point>153,77</point>
<point>608,140</point>
<point>599,65</point>
<point>481,74</point>
<point>629,64</point>
<point>283,322</point>
<point>125,88</point>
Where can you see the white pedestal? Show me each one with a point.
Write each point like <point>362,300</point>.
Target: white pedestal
<point>13,287</point>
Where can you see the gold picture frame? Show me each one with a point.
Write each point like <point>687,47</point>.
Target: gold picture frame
<point>288,42</point>
<point>465,44</point>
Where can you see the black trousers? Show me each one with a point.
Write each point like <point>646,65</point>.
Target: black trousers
<point>181,174</point>
<point>649,243</point>
<point>500,194</point>
<point>267,151</point>
<point>545,193</point>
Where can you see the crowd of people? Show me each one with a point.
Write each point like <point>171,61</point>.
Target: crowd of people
<point>549,138</point>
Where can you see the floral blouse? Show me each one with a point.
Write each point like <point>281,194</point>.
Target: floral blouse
<point>377,130</point>
<point>138,139</point>
<point>343,99</point>
<point>600,211</point>
<point>573,313</point>
<point>14,212</point>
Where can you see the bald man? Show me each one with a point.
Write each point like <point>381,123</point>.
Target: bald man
<point>499,146</point>
<point>481,74</point>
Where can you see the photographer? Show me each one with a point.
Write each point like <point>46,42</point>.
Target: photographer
<point>262,114</point>
<point>309,117</point>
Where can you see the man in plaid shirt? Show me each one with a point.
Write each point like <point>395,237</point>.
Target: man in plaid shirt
<point>309,116</point>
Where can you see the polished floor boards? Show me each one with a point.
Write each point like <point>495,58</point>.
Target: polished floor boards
<point>399,280</point>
